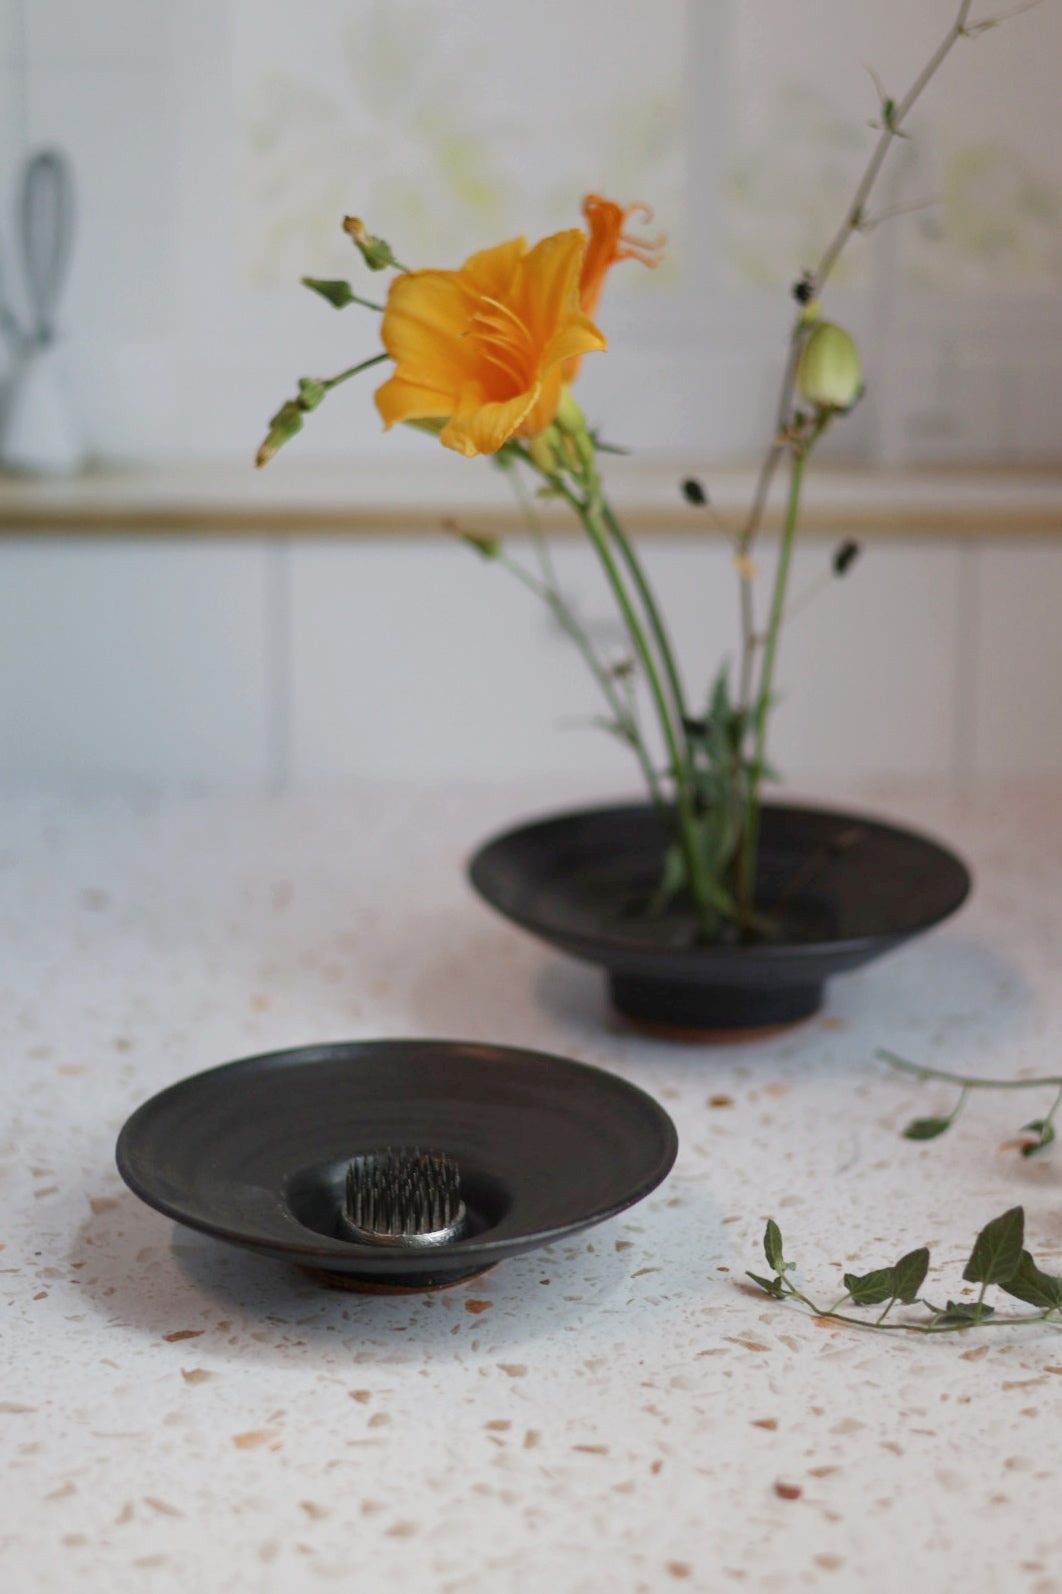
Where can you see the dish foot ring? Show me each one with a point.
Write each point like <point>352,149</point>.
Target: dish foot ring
<point>385,1284</point>
<point>688,1008</point>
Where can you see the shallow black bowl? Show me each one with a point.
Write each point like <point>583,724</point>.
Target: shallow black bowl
<point>256,1152</point>
<point>843,889</point>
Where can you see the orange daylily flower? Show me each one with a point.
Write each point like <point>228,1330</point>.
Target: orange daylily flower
<point>608,243</point>
<point>485,348</point>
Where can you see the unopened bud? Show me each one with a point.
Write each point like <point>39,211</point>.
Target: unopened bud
<point>311,392</point>
<point>487,547</point>
<point>544,451</point>
<point>571,425</point>
<point>376,252</point>
<point>693,492</point>
<point>336,291</point>
<point>285,423</point>
<point>828,375</point>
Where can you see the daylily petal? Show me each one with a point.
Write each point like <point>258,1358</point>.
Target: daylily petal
<point>548,282</point>
<point>401,400</point>
<point>544,408</point>
<point>490,271</point>
<point>580,337</point>
<point>608,243</point>
<point>426,320</point>
<point>481,428</point>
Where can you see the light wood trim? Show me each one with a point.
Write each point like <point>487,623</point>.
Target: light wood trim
<point>231,501</point>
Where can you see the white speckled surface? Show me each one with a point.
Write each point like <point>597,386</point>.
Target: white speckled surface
<point>612,1413</point>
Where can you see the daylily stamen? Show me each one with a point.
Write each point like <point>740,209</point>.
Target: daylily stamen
<point>504,341</point>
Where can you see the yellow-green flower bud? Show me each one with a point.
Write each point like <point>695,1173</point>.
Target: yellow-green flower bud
<point>571,424</point>
<point>545,450</point>
<point>375,252</point>
<point>284,424</point>
<point>828,375</point>
<point>311,392</point>
<point>568,416</point>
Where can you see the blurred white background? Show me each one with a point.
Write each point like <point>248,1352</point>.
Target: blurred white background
<point>216,145</point>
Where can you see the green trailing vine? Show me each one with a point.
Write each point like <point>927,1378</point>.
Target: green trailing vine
<point>998,1261</point>
<point>1034,1136</point>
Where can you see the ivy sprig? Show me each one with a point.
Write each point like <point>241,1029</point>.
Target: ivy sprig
<point>998,1259</point>
<point>1035,1136</point>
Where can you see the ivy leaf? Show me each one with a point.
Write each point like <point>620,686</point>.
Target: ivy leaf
<point>772,1246</point>
<point>771,1286</point>
<point>997,1250</point>
<point>959,1312</point>
<point>926,1128</point>
<point>1031,1285</point>
<point>870,1289</point>
<point>909,1274</point>
<point>1044,1130</point>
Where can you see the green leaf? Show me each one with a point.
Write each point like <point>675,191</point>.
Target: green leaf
<point>772,1246</point>
<point>488,547</point>
<point>997,1249</point>
<point>965,1312</point>
<point>870,1289</point>
<point>909,1274</point>
<point>336,292</point>
<point>1044,1129</point>
<point>926,1128</point>
<point>771,1286</point>
<point>1029,1284</point>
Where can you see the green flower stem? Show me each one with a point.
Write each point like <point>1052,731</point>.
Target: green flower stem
<point>551,595</point>
<point>652,614</point>
<point>354,370</point>
<point>921,1071</point>
<point>749,845</point>
<point>549,590</point>
<point>855,219</point>
<point>534,526</point>
<point>771,460</point>
<point>589,511</point>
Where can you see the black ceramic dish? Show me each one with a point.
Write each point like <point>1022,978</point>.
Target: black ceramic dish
<point>256,1152</point>
<point>843,888</point>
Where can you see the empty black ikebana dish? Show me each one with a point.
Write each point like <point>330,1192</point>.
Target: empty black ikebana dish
<point>396,1164</point>
<point>841,888</point>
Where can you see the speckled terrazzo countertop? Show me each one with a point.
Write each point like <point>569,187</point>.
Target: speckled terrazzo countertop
<point>618,1412</point>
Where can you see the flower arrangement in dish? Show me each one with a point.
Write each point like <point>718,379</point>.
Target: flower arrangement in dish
<point>705,888</point>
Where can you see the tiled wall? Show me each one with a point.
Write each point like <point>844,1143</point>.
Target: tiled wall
<point>276,661</point>
<point>293,661</point>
